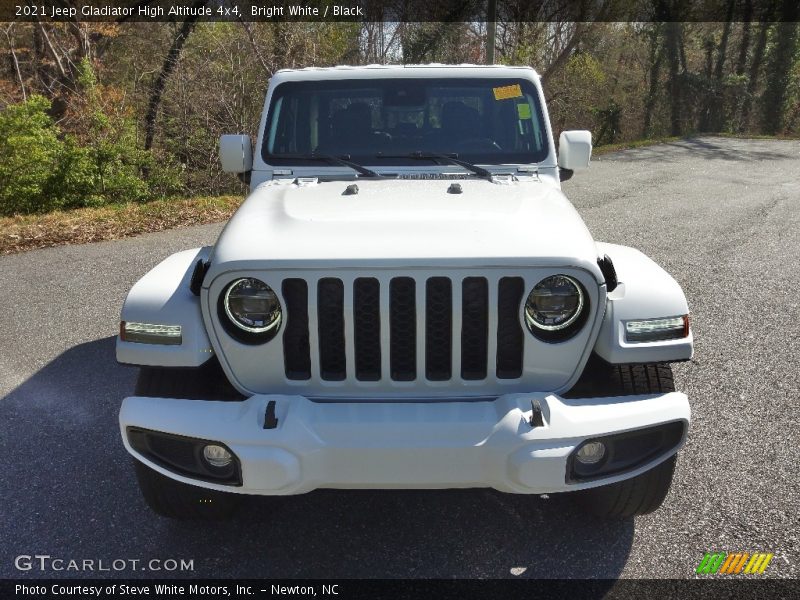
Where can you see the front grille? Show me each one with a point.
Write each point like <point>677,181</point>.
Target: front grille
<point>405,332</point>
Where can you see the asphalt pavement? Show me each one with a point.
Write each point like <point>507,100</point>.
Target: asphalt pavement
<point>721,215</point>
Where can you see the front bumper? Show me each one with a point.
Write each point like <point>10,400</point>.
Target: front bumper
<point>454,444</point>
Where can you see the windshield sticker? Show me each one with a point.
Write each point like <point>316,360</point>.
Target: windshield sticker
<point>524,111</point>
<point>507,91</point>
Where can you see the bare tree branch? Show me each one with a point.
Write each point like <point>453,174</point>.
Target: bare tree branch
<point>16,60</point>
<point>53,51</point>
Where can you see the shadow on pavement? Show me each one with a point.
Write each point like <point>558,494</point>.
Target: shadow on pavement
<point>705,148</point>
<point>69,491</point>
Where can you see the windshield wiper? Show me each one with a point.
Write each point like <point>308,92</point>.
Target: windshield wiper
<point>452,158</point>
<point>336,160</point>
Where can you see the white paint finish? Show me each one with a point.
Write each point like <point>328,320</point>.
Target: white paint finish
<point>546,367</point>
<point>163,297</point>
<point>645,291</point>
<point>405,222</point>
<point>403,445</point>
<point>235,153</point>
<point>574,149</point>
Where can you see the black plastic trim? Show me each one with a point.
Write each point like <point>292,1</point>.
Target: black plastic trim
<point>609,272</point>
<point>141,440</point>
<point>296,344</point>
<point>510,337</point>
<point>666,437</point>
<point>198,275</point>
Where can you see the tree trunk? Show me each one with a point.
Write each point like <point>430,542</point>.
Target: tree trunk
<point>656,56</point>
<point>755,70</point>
<point>160,84</point>
<point>723,43</point>
<point>779,68</point>
<point>741,62</point>
<point>672,34</point>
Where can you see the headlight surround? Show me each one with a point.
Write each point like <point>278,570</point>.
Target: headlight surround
<point>554,304</point>
<point>251,309</point>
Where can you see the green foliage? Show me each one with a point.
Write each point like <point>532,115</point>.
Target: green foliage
<point>40,171</point>
<point>44,169</point>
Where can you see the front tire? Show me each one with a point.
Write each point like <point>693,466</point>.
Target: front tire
<point>636,496</point>
<point>177,500</point>
<point>165,496</point>
<point>646,492</point>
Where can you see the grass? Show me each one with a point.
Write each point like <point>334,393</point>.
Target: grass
<point>608,148</point>
<point>28,232</point>
<point>600,150</point>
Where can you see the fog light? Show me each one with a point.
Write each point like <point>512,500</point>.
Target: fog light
<point>217,456</point>
<point>591,453</point>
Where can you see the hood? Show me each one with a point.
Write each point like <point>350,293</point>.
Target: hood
<point>405,222</point>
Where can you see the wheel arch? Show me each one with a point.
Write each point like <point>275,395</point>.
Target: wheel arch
<point>645,291</point>
<point>163,296</point>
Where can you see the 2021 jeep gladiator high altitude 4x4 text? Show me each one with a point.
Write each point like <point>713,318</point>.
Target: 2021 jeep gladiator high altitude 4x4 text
<point>405,300</point>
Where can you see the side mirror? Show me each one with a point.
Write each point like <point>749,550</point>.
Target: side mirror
<point>235,153</point>
<point>574,149</point>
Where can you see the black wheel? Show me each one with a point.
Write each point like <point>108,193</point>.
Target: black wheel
<point>167,497</point>
<point>176,500</point>
<point>646,492</point>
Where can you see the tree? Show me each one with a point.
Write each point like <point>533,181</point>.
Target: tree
<point>779,66</point>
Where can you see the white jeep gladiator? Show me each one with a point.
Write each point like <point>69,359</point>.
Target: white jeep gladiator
<point>406,299</point>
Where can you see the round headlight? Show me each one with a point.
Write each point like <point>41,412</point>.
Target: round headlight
<point>554,304</point>
<point>252,306</point>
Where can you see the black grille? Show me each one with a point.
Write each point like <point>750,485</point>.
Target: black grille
<point>509,333</point>
<point>403,329</point>
<point>330,315</point>
<point>439,335</point>
<point>296,351</point>
<point>438,328</point>
<point>474,328</point>
<point>367,320</point>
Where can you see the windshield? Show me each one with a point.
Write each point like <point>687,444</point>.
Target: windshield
<point>383,121</point>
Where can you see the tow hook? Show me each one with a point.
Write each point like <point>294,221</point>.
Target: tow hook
<point>270,420</point>
<point>537,420</point>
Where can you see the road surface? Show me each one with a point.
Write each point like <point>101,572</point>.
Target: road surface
<point>721,215</point>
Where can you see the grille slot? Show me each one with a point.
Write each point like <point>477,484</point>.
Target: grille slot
<point>296,349</point>
<point>510,341</point>
<point>474,328</point>
<point>330,314</point>
<point>367,322</point>
<point>438,328</point>
<point>403,329</point>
